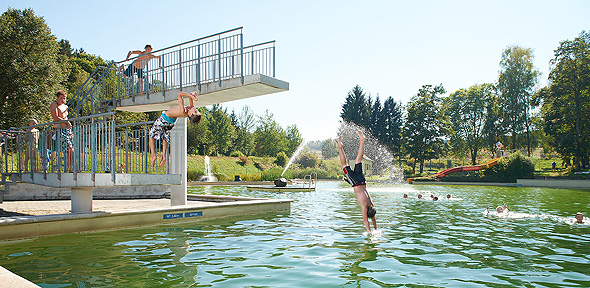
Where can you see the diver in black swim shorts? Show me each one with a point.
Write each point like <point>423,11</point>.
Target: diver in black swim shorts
<point>357,180</point>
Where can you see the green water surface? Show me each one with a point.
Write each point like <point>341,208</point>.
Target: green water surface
<point>321,243</point>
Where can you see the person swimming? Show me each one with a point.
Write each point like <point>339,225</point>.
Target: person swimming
<point>579,218</point>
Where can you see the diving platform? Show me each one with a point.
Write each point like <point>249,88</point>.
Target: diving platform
<point>103,153</point>
<point>209,94</point>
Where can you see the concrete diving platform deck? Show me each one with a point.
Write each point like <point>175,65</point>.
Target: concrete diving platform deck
<point>209,93</point>
<point>32,219</point>
<point>100,179</point>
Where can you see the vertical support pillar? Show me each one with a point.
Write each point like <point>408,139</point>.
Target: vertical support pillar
<point>81,199</point>
<point>178,148</point>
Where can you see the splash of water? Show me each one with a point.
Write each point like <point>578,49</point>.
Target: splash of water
<point>384,162</point>
<point>297,152</point>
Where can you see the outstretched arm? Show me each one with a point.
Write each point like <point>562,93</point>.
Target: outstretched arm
<point>361,153</point>
<point>131,53</point>
<point>341,152</point>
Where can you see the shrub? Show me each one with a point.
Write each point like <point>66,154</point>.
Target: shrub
<point>271,174</point>
<point>407,170</point>
<point>193,174</point>
<point>237,154</point>
<point>308,160</point>
<point>243,160</point>
<point>515,166</point>
<point>282,159</point>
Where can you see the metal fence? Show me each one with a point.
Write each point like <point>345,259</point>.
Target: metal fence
<point>93,144</point>
<point>205,60</point>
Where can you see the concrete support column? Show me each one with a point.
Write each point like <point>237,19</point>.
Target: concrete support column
<point>81,199</point>
<point>178,148</point>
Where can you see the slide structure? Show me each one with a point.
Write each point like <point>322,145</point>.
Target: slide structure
<point>486,165</point>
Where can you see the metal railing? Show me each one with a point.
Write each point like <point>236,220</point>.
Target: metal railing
<point>205,60</point>
<point>93,144</point>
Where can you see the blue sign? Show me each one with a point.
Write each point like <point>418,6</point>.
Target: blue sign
<point>172,216</point>
<point>193,214</point>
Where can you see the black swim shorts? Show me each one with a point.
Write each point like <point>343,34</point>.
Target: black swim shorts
<point>132,69</point>
<point>355,177</point>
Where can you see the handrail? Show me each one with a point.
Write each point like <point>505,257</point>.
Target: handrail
<point>184,43</point>
<point>97,146</point>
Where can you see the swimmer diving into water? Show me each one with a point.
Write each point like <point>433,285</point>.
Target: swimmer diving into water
<point>357,180</point>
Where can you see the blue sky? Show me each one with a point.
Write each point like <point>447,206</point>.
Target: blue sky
<point>324,48</point>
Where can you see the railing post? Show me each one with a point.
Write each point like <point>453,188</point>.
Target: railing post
<point>118,85</point>
<point>145,148</point>
<point>113,147</point>
<point>127,151</point>
<point>179,67</point>
<point>242,56</point>
<point>163,77</point>
<point>219,60</point>
<point>146,81</point>
<point>93,149</point>
<point>199,66</point>
<point>273,60</point>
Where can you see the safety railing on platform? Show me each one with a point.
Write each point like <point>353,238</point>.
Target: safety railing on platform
<point>90,144</point>
<point>205,60</point>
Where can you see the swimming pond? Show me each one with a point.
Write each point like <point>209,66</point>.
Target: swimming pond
<point>321,243</point>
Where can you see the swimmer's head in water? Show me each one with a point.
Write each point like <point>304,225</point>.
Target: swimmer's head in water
<point>371,211</point>
<point>579,217</point>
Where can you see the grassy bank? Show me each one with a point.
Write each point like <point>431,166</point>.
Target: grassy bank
<point>254,168</point>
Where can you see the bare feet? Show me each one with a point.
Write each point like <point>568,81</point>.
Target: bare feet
<point>154,158</point>
<point>361,135</point>
<point>162,161</point>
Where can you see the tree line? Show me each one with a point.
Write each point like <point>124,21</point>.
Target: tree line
<point>34,65</point>
<point>471,121</point>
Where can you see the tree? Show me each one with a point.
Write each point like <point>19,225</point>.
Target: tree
<point>329,148</point>
<point>293,139</point>
<point>244,124</point>
<point>516,82</point>
<point>269,137</point>
<point>425,125</point>
<point>30,68</point>
<point>376,124</point>
<point>222,131</point>
<point>357,107</point>
<point>391,122</point>
<point>466,110</point>
<point>566,107</point>
<point>199,136</point>
<point>493,128</point>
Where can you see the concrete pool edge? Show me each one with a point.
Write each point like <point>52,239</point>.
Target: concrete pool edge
<point>28,227</point>
<point>9,280</point>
